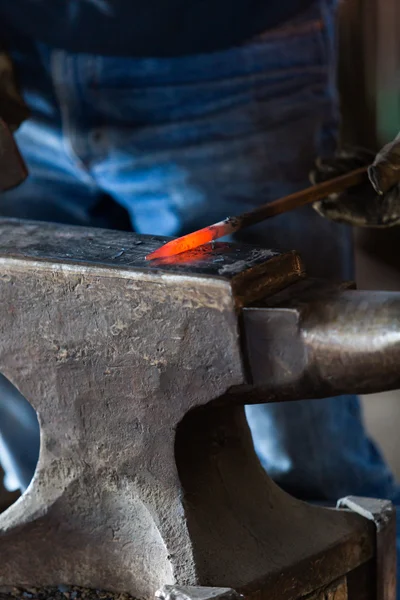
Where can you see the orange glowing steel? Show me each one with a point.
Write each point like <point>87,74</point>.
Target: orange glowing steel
<point>200,254</point>
<point>192,240</point>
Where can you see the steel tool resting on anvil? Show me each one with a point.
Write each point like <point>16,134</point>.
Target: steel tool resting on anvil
<point>139,371</point>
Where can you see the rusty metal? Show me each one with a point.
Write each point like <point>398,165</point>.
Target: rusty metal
<point>147,474</point>
<point>383,514</point>
<point>337,590</point>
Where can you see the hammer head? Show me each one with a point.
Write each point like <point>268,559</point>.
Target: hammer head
<point>13,170</point>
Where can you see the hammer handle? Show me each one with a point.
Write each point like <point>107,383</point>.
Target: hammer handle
<point>13,170</point>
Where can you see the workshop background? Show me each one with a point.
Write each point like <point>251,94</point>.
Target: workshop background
<point>369,79</point>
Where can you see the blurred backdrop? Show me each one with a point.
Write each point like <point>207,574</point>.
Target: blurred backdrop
<point>369,82</point>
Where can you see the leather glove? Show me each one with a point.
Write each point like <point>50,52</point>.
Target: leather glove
<point>13,109</point>
<point>375,203</point>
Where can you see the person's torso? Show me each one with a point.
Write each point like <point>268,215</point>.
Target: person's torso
<point>148,28</point>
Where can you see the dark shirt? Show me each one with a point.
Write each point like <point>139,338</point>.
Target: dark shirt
<point>150,28</point>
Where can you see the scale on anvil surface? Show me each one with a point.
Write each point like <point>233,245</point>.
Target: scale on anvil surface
<point>139,372</point>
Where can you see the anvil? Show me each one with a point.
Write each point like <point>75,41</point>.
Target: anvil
<point>139,372</point>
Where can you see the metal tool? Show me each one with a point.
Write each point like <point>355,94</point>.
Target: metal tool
<point>13,170</point>
<point>266,211</point>
<point>147,475</point>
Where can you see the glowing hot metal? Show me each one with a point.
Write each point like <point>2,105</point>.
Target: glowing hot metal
<point>266,211</point>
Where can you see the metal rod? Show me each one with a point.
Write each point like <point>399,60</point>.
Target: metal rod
<point>266,211</point>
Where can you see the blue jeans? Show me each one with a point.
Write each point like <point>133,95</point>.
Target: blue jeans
<point>179,143</point>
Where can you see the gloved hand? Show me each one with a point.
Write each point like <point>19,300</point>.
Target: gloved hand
<point>376,203</point>
<point>13,109</point>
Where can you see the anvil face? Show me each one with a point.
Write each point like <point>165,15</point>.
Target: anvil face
<point>248,271</point>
